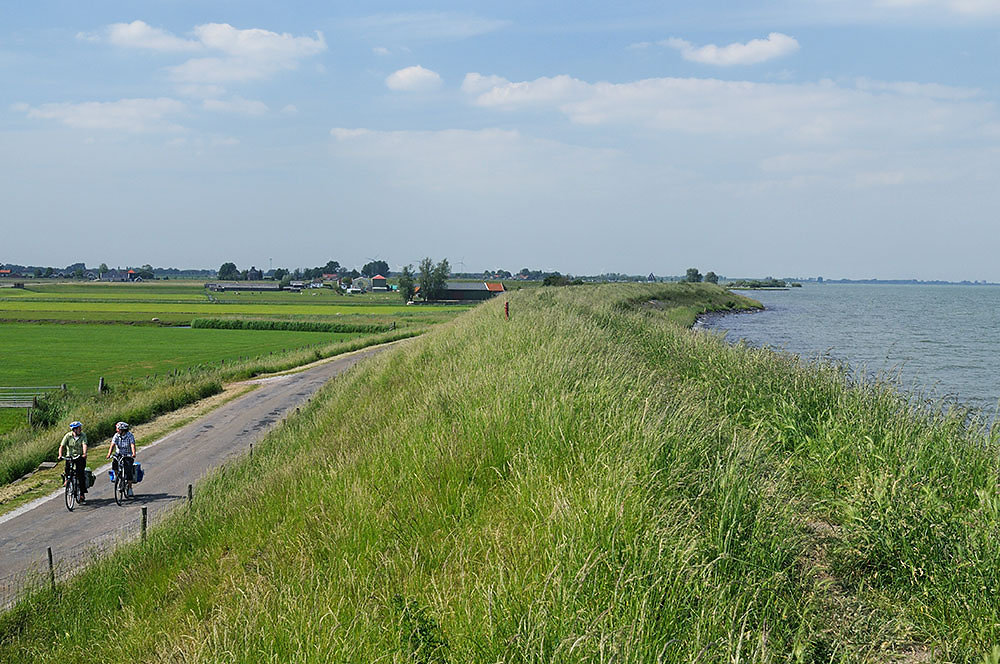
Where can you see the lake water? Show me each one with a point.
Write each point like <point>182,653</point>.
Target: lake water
<point>943,341</point>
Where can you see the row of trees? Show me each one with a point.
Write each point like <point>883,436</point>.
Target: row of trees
<point>694,276</point>
<point>230,272</point>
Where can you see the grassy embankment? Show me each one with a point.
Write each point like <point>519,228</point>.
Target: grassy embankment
<point>586,482</point>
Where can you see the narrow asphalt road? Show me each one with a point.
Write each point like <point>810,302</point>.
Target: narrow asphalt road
<point>170,464</point>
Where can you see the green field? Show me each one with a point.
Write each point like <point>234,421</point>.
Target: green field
<point>176,303</point>
<point>39,354</point>
<point>134,330</point>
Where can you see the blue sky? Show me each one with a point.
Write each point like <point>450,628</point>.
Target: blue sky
<point>818,137</point>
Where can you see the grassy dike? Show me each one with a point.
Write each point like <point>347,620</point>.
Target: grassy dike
<point>588,481</point>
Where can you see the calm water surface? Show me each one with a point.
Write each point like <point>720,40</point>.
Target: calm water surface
<point>943,341</point>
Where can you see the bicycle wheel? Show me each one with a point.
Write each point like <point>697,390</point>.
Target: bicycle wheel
<point>71,493</point>
<point>119,489</point>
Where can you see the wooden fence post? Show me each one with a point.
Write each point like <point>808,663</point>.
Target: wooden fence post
<point>143,523</point>
<point>52,572</point>
<point>100,385</point>
<point>189,496</point>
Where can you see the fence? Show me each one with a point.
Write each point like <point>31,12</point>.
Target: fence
<point>51,568</point>
<point>25,397</point>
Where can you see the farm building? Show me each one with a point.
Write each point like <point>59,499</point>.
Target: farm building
<point>223,286</point>
<point>470,291</point>
<point>379,283</point>
<point>118,275</point>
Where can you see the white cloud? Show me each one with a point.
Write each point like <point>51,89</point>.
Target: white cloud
<point>413,79</point>
<point>909,88</point>
<point>343,134</point>
<point>754,51</point>
<point>290,109</point>
<point>810,112</point>
<point>427,25</point>
<point>464,163</point>
<point>380,50</point>
<point>964,7</point>
<point>247,54</point>
<point>139,34</point>
<point>131,115</point>
<point>545,91</point>
<point>475,83</point>
<point>240,55</point>
<point>237,105</point>
<point>257,44</point>
<point>201,91</point>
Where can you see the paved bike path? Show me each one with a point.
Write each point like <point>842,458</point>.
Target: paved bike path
<point>170,464</point>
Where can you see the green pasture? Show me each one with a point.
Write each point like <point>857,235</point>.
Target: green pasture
<point>176,304</point>
<point>304,307</point>
<point>42,354</point>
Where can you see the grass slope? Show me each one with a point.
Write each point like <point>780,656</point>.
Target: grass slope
<point>585,482</point>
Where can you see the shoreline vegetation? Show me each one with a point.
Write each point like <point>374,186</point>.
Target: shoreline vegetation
<point>589,481</point>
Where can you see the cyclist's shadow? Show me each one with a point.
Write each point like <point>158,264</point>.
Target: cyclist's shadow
<point>143,498</point>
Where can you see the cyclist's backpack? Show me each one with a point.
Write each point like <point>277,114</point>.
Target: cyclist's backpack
<point>137,472</point>
<point>90,477</point>
<point>111,475</point>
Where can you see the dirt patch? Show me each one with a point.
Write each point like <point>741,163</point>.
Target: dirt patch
<point>846,620</point>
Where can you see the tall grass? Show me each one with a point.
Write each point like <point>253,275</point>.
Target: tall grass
<point>584,482</point>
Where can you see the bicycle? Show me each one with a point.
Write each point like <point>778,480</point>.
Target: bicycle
<point>72,492</point>
<point>121,481</point>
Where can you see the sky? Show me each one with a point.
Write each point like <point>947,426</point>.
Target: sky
<point>834,138</point>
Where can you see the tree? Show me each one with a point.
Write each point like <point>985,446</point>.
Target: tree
<point>48,272</point>
<point>279,274</point>
<point>103,268</point>
<point>424,278</point>
<point>433,279</point>
<point>331,267</point>
<point>229,271</point>
<point>693,275</point>
<point>375,267</point>
<point>145,274</point>
<point>406,283</point>
<point>711,277</point>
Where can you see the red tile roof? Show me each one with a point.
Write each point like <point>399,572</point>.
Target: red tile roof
<point>377,276</point>
<point>495,287</point>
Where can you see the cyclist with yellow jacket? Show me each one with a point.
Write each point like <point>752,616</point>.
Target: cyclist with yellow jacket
<point>74,444</point>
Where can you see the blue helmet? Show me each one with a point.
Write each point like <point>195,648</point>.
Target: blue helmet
<point>75,424</point>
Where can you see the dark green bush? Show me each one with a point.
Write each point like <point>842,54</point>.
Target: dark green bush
<point>287,325</point>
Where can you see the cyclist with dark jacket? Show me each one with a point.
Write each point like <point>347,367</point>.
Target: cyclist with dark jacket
<point>123,448</point>
<point>73,444</point>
